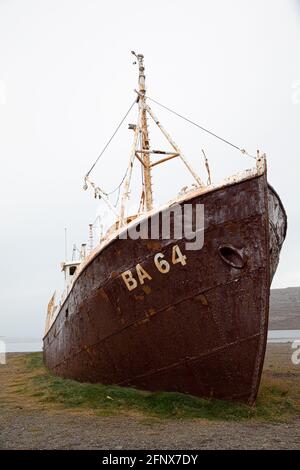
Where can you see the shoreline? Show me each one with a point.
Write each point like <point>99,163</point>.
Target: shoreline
<point>281,339</point>
<point>274,340</point>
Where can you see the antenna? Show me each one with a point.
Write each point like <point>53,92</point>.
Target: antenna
<point>207,167</point>
<point>91,237</point>
<point>83,251</point>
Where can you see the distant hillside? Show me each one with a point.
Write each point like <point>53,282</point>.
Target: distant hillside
<point>285,309</point>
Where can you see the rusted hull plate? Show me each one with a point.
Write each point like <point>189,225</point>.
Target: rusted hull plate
<point>200,328</point>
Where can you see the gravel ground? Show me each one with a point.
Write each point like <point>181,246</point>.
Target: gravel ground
<point>40,430</point>
<point>27,424</point>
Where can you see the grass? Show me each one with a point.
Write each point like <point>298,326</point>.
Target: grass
<point>277,399</point>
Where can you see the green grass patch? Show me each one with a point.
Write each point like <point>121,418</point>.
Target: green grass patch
<point>277,400</point>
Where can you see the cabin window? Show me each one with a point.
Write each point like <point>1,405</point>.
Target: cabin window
<point>72,270</point>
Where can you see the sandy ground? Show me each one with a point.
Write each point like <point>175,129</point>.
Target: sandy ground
<point>27,424</point>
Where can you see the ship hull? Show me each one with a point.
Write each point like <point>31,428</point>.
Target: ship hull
<point>199,328</point>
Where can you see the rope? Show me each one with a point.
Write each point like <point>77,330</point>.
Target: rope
<point>202,128</point>
<point>109,141</point>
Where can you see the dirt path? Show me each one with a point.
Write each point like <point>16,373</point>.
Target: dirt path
<point>25,423</point>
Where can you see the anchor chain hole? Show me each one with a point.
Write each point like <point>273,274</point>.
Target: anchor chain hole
<point>232,256</point>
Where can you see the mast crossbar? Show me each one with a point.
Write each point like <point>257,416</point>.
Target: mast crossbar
<point>159,152</point>
<point>139,158</point>
<point>170,157</point>
<point>175,147</point>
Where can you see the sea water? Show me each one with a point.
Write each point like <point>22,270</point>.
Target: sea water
<point>283,336</point>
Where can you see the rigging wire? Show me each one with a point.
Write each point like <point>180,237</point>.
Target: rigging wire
<point>202,128</point>
<point>118,187</point>
<point>118,195</point>
<point>111,138</point>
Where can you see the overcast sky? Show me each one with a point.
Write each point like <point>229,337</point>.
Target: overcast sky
<point>66,79</point>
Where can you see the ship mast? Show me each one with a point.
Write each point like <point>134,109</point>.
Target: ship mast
<point>145,147</point>
<point>144,152</point>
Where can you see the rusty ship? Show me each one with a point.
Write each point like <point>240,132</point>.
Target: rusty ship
<point>148,312</point>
